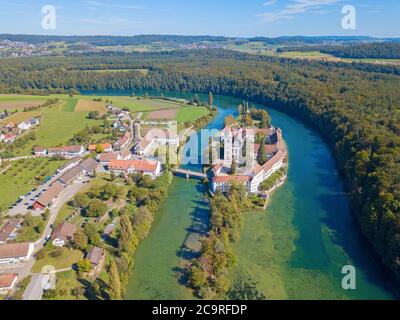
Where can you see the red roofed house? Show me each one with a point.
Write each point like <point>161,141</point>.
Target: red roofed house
<point>9,137</point>
<point>107,147</point>
<point>7,282</point>
<point>39,151</point>
<point>13,253</point>
<point>148,167</point>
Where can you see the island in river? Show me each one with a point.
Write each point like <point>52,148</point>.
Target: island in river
<point>294,250</point>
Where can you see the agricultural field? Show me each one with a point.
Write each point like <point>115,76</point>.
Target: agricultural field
<point>87,106</point>
<point>69,105</point>
<point>13,102</point>
<point>20,178</point>
<point>181,115</point>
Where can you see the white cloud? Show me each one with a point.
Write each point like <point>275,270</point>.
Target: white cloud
<point>294,8</point>
<point>114,5</point>
<point>269,3</point>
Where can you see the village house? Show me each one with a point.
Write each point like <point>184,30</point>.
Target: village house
<point>107,147</point>
<point>123,141</point>
<point>9,230</point>
<point>67,151</point>
<point>9,137</point>
<point>25,125</point>
<point>151,168</point>
<point>7,283</point>
<point>39,151</point>
<point>14,253</point>
<point>47,198</point>
<point>96,257</point>
<point>63,234</point>
<point>89,166</point>
<point>105,158</point>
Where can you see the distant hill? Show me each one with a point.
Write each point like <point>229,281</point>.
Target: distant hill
<point>185,40</point>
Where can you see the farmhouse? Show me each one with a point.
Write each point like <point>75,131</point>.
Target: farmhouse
<point>15,253</point>
<point>63,234</point>
<point>67,151</point>
<point>48,197</point>
<point>71,175</point>
<point>8,231</point>
<point>7,282</point>
<point>147,167</point>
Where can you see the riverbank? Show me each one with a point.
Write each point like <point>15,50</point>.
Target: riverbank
<point>294,250</point>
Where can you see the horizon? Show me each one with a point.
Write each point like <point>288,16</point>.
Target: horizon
<point>255,18</point>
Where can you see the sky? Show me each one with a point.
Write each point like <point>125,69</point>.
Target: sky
<point>234,18</point>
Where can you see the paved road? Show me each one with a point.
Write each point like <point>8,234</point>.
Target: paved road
<point>24,270</point>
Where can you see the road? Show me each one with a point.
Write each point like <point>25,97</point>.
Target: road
<point>24,270</point>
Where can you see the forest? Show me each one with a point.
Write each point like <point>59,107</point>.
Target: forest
<point>356,51</point>
<point>355,107</point>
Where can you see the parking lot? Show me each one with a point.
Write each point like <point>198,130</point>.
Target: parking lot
<point>24,202</point>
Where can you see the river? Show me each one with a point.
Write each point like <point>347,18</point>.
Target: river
<point>294,250</point>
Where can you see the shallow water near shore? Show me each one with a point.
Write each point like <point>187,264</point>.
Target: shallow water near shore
<point>294,250</point>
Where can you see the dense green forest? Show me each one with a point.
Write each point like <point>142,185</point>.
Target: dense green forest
<point>354,106</point>
<point>384,50</point>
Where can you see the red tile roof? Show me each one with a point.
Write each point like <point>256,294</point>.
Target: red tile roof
<point>14,250</point>
<point>6,280</point>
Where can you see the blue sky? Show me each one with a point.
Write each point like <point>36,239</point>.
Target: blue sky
<point>241,18</point>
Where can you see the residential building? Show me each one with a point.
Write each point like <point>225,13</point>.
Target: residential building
<point>9,137</point>
<point>96,256</point>
<point>147,167</point>
<point>107,147</point>
<point>14,253</point>
<point>39,151</point>
<point>9,230</point>
<point>25,125</point>
<point>76,173</point>
<point>89,166</point>
<point>63,234</point>
<point>67,151</point>
<point>7,283</point>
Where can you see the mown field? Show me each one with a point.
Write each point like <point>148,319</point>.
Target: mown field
<point>19,179</point>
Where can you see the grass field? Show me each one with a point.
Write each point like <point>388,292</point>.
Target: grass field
<point>65,260</point>
<point>66,282</point>
<point>19,179</point>
<point>13,102</point>
<point>69,105</point>
<point>87,106</point>
<point>191,114</point>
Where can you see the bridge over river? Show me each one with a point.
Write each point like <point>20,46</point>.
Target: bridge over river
<point>189,174</point>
